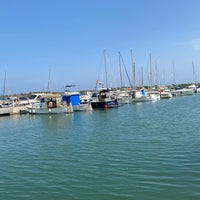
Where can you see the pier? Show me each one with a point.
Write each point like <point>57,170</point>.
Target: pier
<point>13,110</point>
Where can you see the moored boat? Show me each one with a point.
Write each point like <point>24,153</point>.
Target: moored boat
<point>140,96</point>
<point>103,99</point>
<point>124,97</point>
<point>184,92</point>
<point>154,95</point>
<point>74,99</point>
<point>165,94</point>
<point>49,104</point>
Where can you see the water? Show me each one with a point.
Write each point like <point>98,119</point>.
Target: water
<point>138,151</point>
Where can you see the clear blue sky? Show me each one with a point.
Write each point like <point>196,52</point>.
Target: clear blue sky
<point>69,36</point>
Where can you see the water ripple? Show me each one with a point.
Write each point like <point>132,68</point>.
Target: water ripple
<point>138,151</point>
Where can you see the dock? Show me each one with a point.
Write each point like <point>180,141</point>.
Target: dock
<point>13,110</point>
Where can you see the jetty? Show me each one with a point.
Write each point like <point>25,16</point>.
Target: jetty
<point>12,110</point>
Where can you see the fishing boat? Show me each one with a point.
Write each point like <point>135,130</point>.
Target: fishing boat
<point>103,98</point>
<point>49,104</point>
<point>74,99</point>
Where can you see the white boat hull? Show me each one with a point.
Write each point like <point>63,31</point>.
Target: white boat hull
<point>49,107</point>
<point>33,110</point>
<point>165,95</point>
<point>141,99</point>
<point>184,92</point>
<point>82,107</point>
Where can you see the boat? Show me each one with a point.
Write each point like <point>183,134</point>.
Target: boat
<point>124,97</point>
<point>140,96</point>
<point>184,92</point>
<point>49,104</point>
<point>76,100</point>
<point>198,90</point>
<point>154,95</point>
<point>36,97</point>
<point>85,97</point>
<point>5,110</point>
<point>165,94</point>
<point>23,100</point>
<point>11,106</point>
<point>103,98</point>
<point>193,87</point>
<point>143,96</point>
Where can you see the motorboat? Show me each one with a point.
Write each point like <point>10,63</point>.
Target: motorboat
<point>76,100</point>
<point>103,98</point>
<point>49,104</point>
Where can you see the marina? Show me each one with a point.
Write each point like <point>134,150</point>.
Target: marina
<point>136,151</point>
<point>71,100</point>
<point>100,100</point>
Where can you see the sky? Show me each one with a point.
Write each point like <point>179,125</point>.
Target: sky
<point>64,42</point>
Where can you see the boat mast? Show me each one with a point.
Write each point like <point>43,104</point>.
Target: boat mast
<point>150,71</point>
<point>156,68</point>
<point>4,84</point>
<point>106,73</point>
<point>174,79</point>
<point>139,77</point>
<point>142,80</point>
<point>120,71</point>
<point>163,77</point>
<point>133,66</point>
<point>126,70</point>
<point>194,73</point>
<point>49,79</point>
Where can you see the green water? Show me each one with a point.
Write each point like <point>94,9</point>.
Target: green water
<point>138,151</point>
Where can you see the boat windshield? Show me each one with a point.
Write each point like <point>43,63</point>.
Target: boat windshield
<point>33,96</point>
<point>94,95</point>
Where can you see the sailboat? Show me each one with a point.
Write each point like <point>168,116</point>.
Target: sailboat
<point>103,97</point>
<point>10,105</point>
<point>146,95</point>
<point>123,95</point>
<point>154,94</point>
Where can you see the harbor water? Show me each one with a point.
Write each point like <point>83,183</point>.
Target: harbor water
<point>138,151</point>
